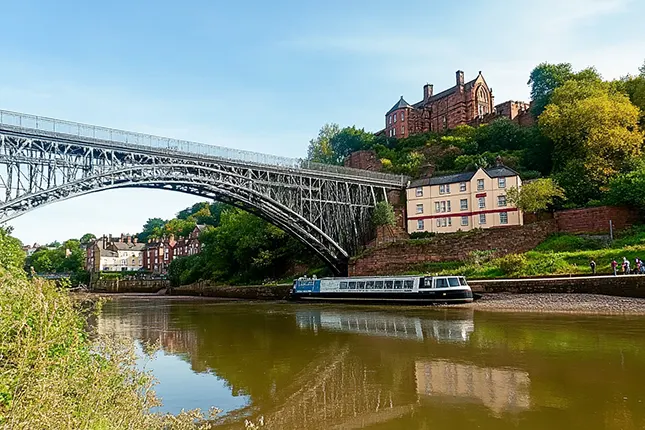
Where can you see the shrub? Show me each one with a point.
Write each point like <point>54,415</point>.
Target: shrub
<point>568,243</point>
<point>480,256</point>
<point>512,264</point>
<point>422,235</point>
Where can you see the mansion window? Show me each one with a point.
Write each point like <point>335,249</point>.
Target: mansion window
<point>419,192</point>
<point>482,219</point>
<point>395,118</point>
<point>402,129</point>
<point>503,218</point>
<point>444,222</point>
<point>420,225</point>
<point>482,102</point>
<point>462,187</point>
<point>480,184</point>
<point>444,189</point>
<point>501,201</point>
<point>501,182</point>
<point>464,220</point>
<point>442,207</point>
<point>420,209</point>
<point>402,116</point>
<point>445,122</point>
<point>463,204</point>
<point>390,119</point>
<point>482,203</point>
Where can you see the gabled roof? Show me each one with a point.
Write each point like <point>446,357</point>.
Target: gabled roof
<point>399,105</point>
<point>446,93</point>
<point>123,246</point>
<point>107,253</point>
<point>492,172</point>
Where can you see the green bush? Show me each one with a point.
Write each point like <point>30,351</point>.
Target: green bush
<point>512,264</point>
<point>568,243</point>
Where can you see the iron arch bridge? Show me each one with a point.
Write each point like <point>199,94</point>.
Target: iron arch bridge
<point>44,160</point>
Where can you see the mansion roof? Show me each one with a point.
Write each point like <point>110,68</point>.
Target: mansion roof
<point>492,172</point>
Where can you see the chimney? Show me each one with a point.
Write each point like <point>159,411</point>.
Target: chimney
<point>460,78</point>
<point>427,92</point>
<point>426,171</point>
<point>121,238</point>
<point>135,240</point>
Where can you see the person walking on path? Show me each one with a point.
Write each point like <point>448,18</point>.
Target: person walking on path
<point>592,264</point>
<point>625,266</point>
<point>637,265</point>
<point>614,265</point>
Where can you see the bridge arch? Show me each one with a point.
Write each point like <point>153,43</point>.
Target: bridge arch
<point>202,181</point>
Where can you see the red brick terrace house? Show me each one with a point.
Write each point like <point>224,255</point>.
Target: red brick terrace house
<point>466,103</point>
<point>159,253</point>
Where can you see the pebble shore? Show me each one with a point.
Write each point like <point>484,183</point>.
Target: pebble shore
<point>559,303</point>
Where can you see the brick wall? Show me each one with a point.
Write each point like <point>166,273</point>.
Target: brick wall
<point>365,160</point>
<point>397,257</point>
<point>595,220</point>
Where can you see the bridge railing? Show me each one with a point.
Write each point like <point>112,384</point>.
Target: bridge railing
<point>164,144</point>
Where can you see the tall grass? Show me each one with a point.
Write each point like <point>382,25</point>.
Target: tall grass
<point>55,374</point>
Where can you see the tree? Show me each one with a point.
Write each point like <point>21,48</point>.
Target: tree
<point>151,228</point>
<point>535,196</point>
<point>383,215</point>
<point>642,70</point>
<point>546,78</point>
<point>87,238</point>
<point>627,189</point>
<point>12,257</point>
<point>348,140</point>
<point>595,132</point>
<point>320,149</point>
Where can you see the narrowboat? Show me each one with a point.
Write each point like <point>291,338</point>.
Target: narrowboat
<point>385,289</point>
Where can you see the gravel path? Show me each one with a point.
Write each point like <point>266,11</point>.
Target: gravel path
<point>559,303</point>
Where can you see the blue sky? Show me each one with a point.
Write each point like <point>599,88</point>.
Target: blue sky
<point>264,76</point>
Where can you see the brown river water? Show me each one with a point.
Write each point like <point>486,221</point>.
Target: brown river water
<point>350,367</point>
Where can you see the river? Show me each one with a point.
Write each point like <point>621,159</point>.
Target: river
<point>349,367</point>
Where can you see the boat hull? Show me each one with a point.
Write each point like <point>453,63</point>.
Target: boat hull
<point>410,298</point>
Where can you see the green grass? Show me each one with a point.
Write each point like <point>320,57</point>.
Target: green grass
<point>558,255</point>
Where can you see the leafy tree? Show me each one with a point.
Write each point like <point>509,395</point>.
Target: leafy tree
<point>642,70</point>
<point>536,195</point>
<point>627,189</point>
<point>595,134</point>
<point>12,257</point>
<point>383,214</point>
<point>546,78</point>
<point>54,244</point>
<point>320,149</point>
<point>348,140</point>
<point>87,238</point>
<point>152,228</point>
<point>179,227</point>
<point>634,88</point>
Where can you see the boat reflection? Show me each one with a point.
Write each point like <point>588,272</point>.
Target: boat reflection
<point>442,328</point>
<point>499,389</point>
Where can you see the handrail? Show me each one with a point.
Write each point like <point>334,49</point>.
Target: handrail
<point>164,144</point>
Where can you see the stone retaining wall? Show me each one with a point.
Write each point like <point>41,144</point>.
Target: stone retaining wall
<point>398,257</point>
<point>206,289</point>
<point>129,286</point>
<point>624,285</point>
<point>595,220</point>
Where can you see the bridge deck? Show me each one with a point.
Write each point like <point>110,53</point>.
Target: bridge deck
<point>90,134</point>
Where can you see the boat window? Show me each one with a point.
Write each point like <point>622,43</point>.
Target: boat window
<point>360,285</point>
<point>369,285</point>
<point>454,282</point>
<point>343,285</point>
<point>428,282</point>
<point>379,285</point>
<point>462,281</point>
<point>398,285</point>
<point>352,285</point>
<point>441,283</point>
<point>389,284</point>
<point>409,284</point>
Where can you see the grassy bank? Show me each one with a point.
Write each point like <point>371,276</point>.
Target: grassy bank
<point>558,255</point>
<point>55,373</point>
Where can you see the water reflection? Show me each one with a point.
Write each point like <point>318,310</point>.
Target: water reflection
<point>320,367</point>
<point>389,325</point>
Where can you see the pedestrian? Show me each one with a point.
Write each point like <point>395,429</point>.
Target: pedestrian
<point>625,266</point>
<point>592,264</point>
<point>637,265</point>
<point>614,265</point>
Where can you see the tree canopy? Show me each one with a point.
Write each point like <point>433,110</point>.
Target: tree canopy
<point>536,195</point>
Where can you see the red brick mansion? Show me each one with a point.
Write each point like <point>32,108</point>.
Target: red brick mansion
<point>466,103</point>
